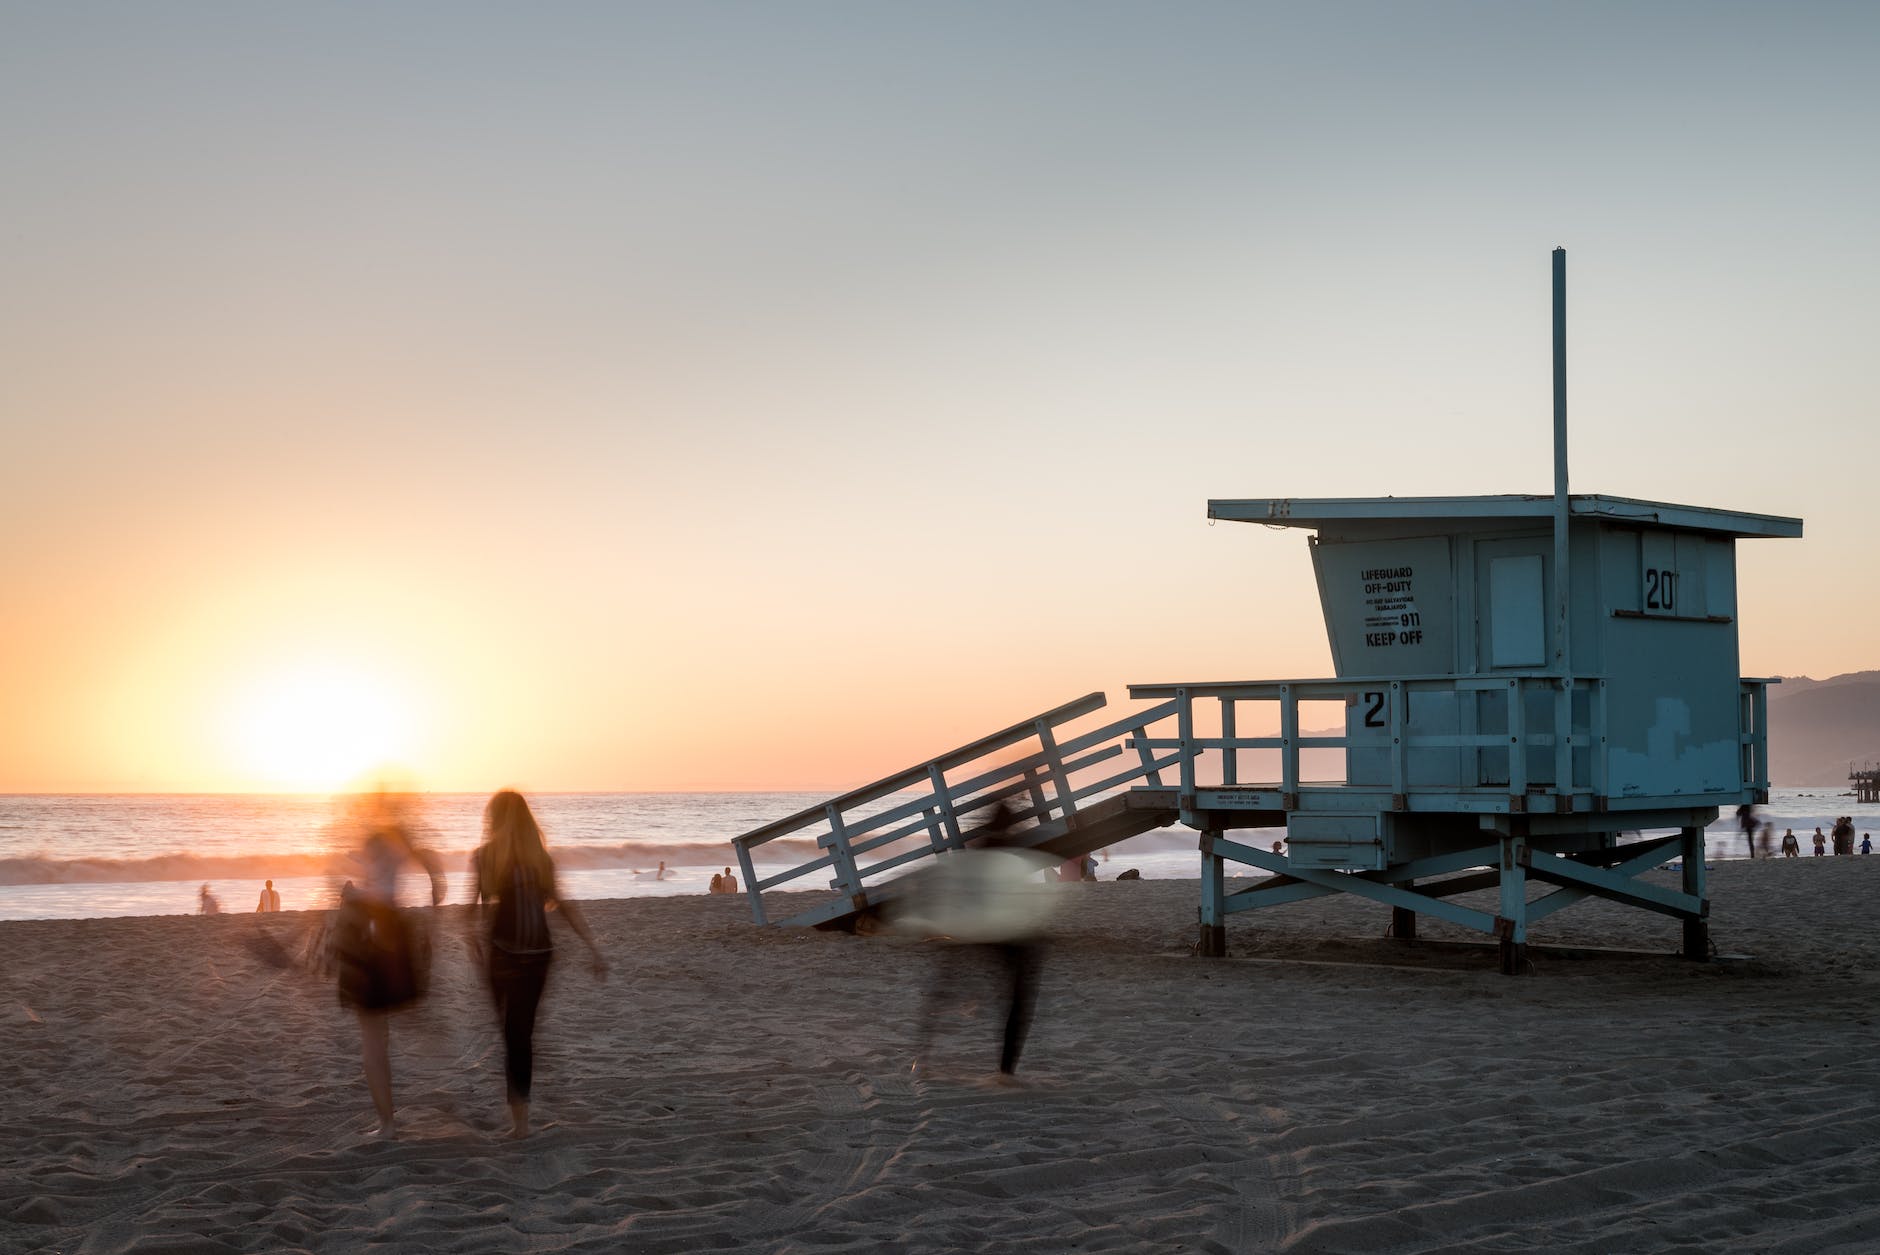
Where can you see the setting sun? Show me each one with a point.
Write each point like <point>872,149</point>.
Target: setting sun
<point>318,727</point>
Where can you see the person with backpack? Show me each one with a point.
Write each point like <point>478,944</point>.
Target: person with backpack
<point>382,955</point>
<point>515,888</point>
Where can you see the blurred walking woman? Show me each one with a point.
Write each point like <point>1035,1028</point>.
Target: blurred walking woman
<point>383,955</point>
<point>515,881</point>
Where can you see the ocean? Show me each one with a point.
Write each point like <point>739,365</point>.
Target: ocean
<point>79,856</point>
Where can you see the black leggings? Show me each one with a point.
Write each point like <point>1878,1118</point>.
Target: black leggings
<point>1020,960</point>
<point>517,981</point>
<point>1017,961</point>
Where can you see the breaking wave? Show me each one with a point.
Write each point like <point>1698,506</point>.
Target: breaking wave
<point>44,869</point>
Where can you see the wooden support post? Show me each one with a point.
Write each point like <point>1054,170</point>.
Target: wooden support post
<point>1230,757</point>
<point>1403,921</point>
<point>948,837</point>
<point>1697,927</point>
<point>746,866</point>
<point>1511,923</point>
<point>1054,764</point>
<point>848,879</point>
<point>1213,901</point>
<point>1288,748</point>
<point>1035,783</point>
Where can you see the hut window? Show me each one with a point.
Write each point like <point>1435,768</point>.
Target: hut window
<point>1517,622</point>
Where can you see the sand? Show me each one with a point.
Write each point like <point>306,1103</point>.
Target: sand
<point>731,1088</point>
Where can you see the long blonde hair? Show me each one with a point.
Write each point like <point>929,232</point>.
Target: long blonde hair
<point>511,839</point>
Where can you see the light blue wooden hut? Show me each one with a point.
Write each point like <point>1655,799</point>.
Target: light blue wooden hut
<point>1528,691</point>
<point>1496,717</point>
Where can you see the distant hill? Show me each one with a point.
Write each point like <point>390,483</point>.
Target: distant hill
<point>1816,727</point>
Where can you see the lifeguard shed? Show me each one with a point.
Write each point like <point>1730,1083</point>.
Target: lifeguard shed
<point>1526,688</point>
<point>1491,719</point>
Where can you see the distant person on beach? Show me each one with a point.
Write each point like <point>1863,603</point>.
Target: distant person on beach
<point>1866,843</point>
<point>1791,848</point>
<point>1090,867</point>
<point>729,881</point>
<point>206,903</point>
<point>515,889</point>
<point>1746,820</point>
<point>1821,843</point>
<point>270,900</point>
<point>718,884</point>
<point>1844,835</point>
<point>661,873</point>
<point>985,902</point>
<point>383,956</point>
<point>1768,842</point>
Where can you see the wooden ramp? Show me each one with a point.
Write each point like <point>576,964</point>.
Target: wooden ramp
<point>1073,792</point>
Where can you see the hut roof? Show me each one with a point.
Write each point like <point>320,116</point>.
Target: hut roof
<point>1317,511</point>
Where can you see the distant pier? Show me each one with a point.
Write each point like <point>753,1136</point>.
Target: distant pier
<point>1866,782</point>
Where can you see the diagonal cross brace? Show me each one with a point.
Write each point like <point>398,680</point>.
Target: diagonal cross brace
<point>1619,884</point>
<point>1649,854</point>
<point>1346,882</point>
<point>1292,889</point>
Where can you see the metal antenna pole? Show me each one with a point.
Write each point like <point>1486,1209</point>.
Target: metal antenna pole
<point>1562,656</point>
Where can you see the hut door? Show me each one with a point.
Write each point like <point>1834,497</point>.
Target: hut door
<point>1510,635</point>
<point>1515,636</point>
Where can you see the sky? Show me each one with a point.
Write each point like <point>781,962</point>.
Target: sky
<point>770,396</point>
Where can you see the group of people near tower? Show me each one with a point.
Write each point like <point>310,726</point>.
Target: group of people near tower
<point>1840,835</point>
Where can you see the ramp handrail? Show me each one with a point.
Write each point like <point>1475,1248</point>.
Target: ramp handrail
<point>1045,786</point>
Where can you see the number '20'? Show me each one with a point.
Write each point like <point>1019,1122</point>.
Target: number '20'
<point>1661,589</point>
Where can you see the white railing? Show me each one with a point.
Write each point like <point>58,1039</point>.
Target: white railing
<point>1037,767</point>
<point>1515,737</point>
<point>1753,720</point>
<point>1489,732</point>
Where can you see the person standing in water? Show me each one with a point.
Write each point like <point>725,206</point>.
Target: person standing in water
<point>383,955</point>
<point>515,888</point>
<point>270,900</point>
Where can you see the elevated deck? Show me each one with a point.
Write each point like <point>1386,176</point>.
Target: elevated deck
<point>1418,803</point>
